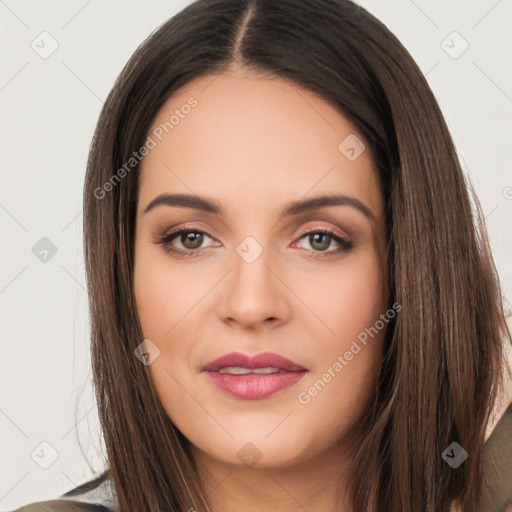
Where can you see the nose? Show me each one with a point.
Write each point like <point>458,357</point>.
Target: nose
<point>254,294</point>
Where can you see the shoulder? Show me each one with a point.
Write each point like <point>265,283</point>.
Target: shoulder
<point>498,464</point>
<point>62,506</point>
<point>505,398</point>
<point>497,468</point>
<point>497,455</point>
<point>93,496</point>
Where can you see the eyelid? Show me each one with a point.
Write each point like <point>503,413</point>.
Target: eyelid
<point>315,226</point>
<point>184,227</point>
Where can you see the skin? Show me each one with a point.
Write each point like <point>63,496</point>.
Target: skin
<point>254,143</point>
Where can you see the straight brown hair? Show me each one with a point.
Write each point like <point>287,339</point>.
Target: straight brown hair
<point>443,356</point>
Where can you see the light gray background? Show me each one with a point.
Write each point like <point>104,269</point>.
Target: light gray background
<point>48,110</point>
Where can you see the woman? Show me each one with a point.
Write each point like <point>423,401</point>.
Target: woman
<point>292,306</point>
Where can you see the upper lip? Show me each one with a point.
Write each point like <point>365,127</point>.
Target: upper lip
<point>263,360</point>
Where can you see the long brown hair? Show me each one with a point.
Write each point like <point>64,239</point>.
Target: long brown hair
<point>443,356</point>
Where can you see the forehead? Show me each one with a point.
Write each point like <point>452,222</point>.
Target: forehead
<point>252,139</point>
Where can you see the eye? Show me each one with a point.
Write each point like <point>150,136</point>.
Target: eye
<point>319,240</point>
<point>191,241</point>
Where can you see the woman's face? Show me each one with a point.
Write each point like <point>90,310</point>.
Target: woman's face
<point>261,275</point>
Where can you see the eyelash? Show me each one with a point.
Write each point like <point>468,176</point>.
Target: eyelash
<point>345,244</point>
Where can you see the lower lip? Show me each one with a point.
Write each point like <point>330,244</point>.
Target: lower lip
<point>252,386</point>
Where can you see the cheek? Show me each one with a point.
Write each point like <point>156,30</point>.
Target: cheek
<point>163,292</point>
<point>164,308</point>
<point>350,302</point>
<point>347,297</point>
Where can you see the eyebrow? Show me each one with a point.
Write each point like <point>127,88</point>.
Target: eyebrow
<point>292,208</point>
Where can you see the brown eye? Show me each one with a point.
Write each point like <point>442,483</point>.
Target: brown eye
<point>319,241</point>
<point>192,239</point>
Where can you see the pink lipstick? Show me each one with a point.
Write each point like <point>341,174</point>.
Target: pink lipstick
<point>253,377</point>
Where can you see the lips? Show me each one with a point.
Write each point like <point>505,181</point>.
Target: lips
<point>263,360</point>
<point>255,385</point>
